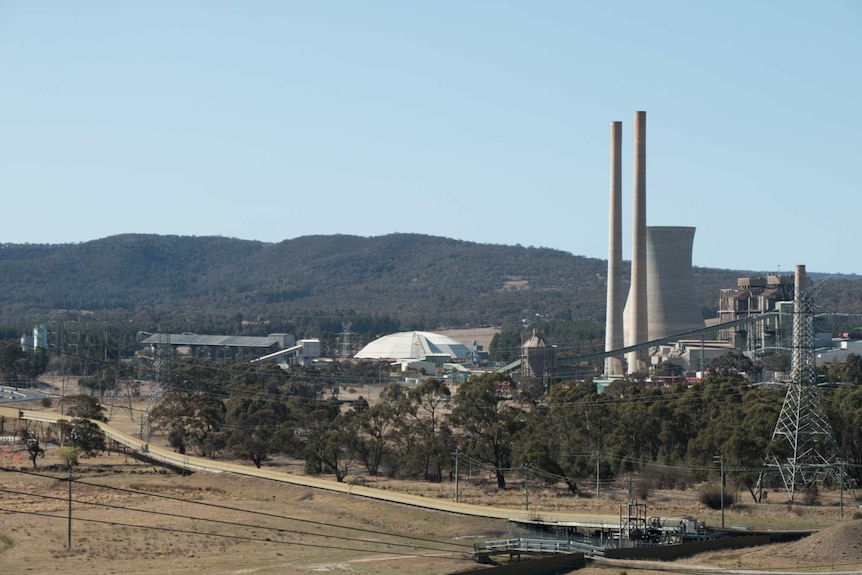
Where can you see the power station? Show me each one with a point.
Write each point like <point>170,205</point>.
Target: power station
<point>662,304</point>
<point>661,299</point>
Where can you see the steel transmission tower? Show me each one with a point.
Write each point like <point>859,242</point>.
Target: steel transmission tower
<point>346,344</point>
<point>803,449</point>
<point>162,384</point>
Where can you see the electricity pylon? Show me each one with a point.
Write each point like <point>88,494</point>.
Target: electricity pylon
<point>803,450</point>
<point>162,384</point>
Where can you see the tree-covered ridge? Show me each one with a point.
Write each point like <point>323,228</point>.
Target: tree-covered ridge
<point>422,281</point>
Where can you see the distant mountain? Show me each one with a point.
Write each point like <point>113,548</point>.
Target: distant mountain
<point>423,281</point>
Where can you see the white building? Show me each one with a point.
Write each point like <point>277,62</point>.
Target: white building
<point>418,345</point>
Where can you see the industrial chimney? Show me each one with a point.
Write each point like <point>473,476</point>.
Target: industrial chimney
<point>615,302</point>
<point>637,301</point>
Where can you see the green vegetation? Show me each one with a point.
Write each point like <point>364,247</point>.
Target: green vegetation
<point>668,436</point>
<point>81,433</point>
<point>380,284</point>
<point>99,299</point>
<point>711,495</point>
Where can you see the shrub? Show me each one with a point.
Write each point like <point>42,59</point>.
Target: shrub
<point>662,477</point>
<point>643,488</point>
<point>812,496</point>
<point>69,455</point>
<point>710,495</point>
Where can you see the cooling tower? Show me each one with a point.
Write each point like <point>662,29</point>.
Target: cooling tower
<point>671,300</point>
<point>638,331</point>
<point>614,318</point>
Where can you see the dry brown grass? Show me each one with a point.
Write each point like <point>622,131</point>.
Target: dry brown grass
<point>260,529</point>
<point>264,537</point>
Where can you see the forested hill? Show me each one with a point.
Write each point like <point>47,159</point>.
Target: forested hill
<point>422,281</point>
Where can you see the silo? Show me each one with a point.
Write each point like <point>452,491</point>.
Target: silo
<point>671,299</point>
<point>40,337</point>
<point>538,359</point>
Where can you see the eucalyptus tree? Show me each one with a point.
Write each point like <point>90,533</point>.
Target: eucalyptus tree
<point>325,444</point>
<point>81,432</point>
<point>425,405</point>
<point>191,419</point>
<point>369,435</point>
<point>488,420</point>
<point>32,443</point>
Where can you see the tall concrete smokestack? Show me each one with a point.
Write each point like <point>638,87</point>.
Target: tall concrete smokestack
<point>615,303</point>
<point>802,362</point>
<point>638,328</point>
<point>801,282</point>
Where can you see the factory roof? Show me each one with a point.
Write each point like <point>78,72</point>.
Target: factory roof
<point>412,345</point>
<point>211,340</point>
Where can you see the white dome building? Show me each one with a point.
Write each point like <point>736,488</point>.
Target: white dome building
<point>419,345</point>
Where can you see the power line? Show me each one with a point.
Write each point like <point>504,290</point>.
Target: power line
<point>218,521</point>
<point>223,535</point>
<point>234,509</point>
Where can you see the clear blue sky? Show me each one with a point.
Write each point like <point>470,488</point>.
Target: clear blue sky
<point>485,121</point>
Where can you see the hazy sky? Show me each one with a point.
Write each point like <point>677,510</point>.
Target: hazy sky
<point>485,121</point>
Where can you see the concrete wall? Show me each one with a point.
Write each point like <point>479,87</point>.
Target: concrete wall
<point>540,566</point>
<point>671,552</point>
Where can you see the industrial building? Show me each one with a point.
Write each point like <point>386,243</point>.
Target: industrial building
<point>280,347</point>
<point>844,345</point>
<point>39,339</point>
<point>538,358</point>
<point>692,355</point>
<point>752,297</point>
<point>415,345</point>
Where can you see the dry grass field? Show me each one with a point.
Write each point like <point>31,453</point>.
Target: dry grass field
<point>135,518</point>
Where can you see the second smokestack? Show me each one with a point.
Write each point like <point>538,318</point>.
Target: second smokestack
<point>638,326</point>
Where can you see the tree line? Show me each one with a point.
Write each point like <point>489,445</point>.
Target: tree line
<point>567,434</point>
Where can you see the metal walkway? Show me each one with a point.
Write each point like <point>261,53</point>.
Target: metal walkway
<point>536,546</point>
